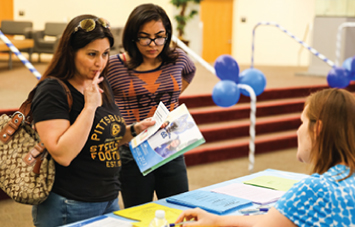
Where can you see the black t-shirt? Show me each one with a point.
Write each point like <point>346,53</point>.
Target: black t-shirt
<point>92,176</point>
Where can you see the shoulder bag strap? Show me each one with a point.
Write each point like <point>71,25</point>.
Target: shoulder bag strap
<point>37,154</point>
<point>25,114</point>
<point>25,108</point>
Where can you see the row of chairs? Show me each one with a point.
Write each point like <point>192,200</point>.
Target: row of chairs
<point>46,41</point>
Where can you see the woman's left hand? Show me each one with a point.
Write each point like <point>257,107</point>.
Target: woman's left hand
<point>143,125</point>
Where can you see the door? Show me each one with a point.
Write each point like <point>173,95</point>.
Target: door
<point>6,10</point>
<point>217,17</point>
<point>6,13</point>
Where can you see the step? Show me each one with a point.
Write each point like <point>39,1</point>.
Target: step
<point>235,129</point>
<point>7,111</point>
<point>268,94</point>
<point>216,114</point>
<point>231,149</point>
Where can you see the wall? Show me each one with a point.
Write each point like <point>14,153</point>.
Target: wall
<point>193,28</point>
<point>272,46</point>
<point>115,11</point>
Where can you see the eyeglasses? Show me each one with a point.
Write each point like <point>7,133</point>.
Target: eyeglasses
<point>146,41</point>
<point>90,24</point>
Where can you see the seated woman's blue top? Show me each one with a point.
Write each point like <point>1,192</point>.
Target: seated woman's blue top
<point>321,200</point>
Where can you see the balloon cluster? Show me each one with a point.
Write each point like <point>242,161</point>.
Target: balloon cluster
<point>340,77</point>
<point>226,92</point>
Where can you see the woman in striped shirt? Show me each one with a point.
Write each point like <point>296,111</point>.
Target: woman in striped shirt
<point>149,71</point>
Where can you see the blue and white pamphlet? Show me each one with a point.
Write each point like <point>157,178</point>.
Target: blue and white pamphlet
<point>156,146</point>
<point>210,201</point>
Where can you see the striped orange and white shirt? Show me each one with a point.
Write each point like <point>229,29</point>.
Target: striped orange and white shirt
<point>138,93</point>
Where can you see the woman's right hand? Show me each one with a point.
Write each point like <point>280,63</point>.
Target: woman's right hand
<point>199,216</point>
<point>92,91</point>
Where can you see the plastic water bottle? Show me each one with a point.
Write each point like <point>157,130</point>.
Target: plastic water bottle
<point>159,220</point>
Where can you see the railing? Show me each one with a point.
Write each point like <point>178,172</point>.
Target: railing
<point>312,50</point>
<point>338,42</point>
<point>243,86</point>
<point>20,56</point>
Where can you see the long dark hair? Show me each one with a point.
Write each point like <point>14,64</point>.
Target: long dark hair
<point>140,15</point>
<point>62,64</point>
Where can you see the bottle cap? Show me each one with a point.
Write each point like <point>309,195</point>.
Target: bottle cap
<point>160,214</point>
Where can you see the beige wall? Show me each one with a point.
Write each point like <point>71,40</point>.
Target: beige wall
<point>272,47</point>
<point>115,11</point>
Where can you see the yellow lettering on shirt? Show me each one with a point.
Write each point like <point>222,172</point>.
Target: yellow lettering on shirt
<point>107,151</point>
<point>94,137</point>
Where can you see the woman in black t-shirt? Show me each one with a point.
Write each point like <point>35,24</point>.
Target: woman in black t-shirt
<point>83,141</point>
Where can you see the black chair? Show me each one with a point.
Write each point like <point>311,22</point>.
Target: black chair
<point>18,28</point>
<point>46,41</point>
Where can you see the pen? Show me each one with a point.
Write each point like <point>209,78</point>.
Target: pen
<point>180,223</point>
<point>254,210</point>
<point>256,213</point>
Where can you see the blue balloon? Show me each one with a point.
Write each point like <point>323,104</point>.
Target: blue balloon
<point>349,65</point>
<point>225,93</point>
<point>227,68</point>
<point>338,77</point>
<point>255,79</point>
<point>352,68</point>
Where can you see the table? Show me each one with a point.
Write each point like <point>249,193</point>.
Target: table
<point>19,44</point>
<point>267,172</point>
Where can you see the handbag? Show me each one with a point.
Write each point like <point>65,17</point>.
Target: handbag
<point>27,171</point>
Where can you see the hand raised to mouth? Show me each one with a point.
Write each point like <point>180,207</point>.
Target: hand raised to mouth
<point>92,91</point>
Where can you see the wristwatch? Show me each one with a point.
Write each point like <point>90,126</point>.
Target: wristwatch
<point>133,131</point>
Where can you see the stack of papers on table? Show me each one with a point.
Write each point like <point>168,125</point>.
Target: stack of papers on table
<point>260,190</point>
<point>107,222</point>
<point>210,201</point>
<point>272,182</point>
<point>102,221</point>
<point>256,194</point>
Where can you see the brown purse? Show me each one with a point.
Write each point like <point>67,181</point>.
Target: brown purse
<point>26,170</point>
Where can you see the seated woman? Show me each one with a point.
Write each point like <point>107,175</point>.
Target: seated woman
<point>326,198</point>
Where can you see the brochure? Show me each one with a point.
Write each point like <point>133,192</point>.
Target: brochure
<point>159,116</point>
<point>152,150</point>
<point>210,201</point>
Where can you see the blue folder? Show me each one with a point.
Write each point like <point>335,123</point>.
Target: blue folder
<point>210,201</point>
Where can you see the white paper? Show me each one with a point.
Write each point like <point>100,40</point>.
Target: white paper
<point>109,222</point>
<point>258,195</point>
<point>159,116</point>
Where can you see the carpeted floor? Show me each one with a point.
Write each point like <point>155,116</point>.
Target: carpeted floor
<point>16,83</point>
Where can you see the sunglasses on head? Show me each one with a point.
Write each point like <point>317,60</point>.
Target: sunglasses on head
<point>90,24</point>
